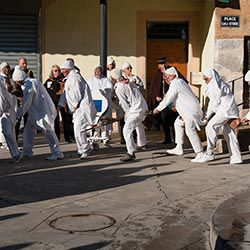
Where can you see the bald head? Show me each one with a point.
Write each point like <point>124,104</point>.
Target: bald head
<point>22,62</point>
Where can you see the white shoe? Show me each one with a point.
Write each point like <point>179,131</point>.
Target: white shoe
<point>206,157</point>
<point>235,161</point>
<point>85,155</point>
<point>198,157</point>
<point>54,157</point>
<point>175,151</point>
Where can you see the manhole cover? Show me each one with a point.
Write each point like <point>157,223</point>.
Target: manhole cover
<point>82,222</point>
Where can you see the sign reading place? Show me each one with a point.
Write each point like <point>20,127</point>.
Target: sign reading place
<point>230,21</point>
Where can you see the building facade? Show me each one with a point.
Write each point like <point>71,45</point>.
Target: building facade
<point>189,33</point>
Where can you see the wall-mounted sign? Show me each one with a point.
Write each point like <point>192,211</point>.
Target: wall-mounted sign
<point>230,21</point>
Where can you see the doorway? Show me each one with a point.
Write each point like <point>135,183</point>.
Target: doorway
<point>246,88</point>
<point>168,39</point>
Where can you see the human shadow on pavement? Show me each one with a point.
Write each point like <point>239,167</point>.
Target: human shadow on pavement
<point>63,178</point>
<point>16,246</point>
<point>93,246</point>
<point>11,216</point>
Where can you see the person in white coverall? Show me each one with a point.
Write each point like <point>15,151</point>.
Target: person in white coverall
<point>104,85</point>
<point>8,106</point>
<point>222,104</point>
<point>78,97</point>
<point>190,114</point>
<point>135,108</point>
<point>127,73</point>
<point>42,113</point>
<point>4,70</point>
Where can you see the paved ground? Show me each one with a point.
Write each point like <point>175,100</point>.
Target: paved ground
<point>157,202</point>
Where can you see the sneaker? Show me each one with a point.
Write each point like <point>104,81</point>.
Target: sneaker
<point>207,157</point>
<point>198,157</point>
<point>166,142</point>
<point>235,160</point>
<point>15,159</point>
<point>175,151</point>
<point>128,157</point>
<point>85,155</point>
<point>54,157</point>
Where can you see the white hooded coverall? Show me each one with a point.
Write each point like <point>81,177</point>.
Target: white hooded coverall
<point>135,108</point>
<point>223,105</point>
<point>78,97</point>
<point>42,113</point>
<point>106,87</point>
<point>8,106</point>
<point>190,113</point>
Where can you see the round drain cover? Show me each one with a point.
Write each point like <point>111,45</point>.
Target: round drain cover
<point>82,222</point>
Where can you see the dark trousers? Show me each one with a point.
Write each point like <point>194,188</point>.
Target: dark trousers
<point>57,126</point>
<point>167,120</point>
<point>67,125</point>
<point>17,127</point>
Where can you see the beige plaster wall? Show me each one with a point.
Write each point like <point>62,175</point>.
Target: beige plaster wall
<point>71,29</point>
<point>243,30</point>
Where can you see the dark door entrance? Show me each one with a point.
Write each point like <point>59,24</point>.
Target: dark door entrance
<point>246,88</point>
<point>170,40</point>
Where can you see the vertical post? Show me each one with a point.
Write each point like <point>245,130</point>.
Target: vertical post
<point>103,35</point>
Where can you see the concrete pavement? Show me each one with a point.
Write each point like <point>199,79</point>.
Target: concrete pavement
<point>156,202</point>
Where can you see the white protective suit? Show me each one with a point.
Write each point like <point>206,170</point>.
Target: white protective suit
<point>78,97</point>
<point>2,137</point>
<point>223,105</point>
<point>135,108</point>
<point>8,105</point>
<point>190,113</point>
<point>105,86</point>
<point>137,80</point>
<point>42,114</point>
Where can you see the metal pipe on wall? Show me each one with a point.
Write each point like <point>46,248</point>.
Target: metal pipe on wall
<point>103,35</point>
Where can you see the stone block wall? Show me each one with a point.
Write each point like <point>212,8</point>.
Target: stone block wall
<point>228,61</point>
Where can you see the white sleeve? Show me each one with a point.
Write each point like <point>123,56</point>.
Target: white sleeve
<point>122,98</point>
<point>28,94</point>
<point>169,98</point>
<point>2,99</point>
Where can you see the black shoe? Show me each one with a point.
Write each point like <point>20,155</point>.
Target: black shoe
<point>123,142</point>
<point>128,157</point>
<point>166,142</point>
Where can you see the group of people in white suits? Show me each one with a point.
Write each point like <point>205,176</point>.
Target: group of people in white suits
<point>128,89</point>
<point>221,109</point>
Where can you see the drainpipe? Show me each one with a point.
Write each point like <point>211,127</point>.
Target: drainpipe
<point>103,35</point>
